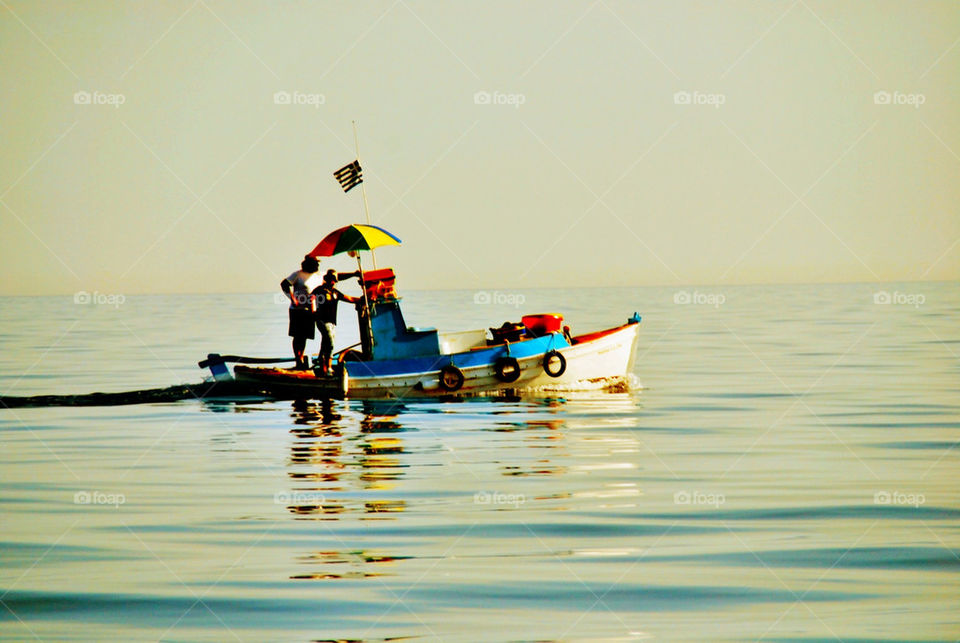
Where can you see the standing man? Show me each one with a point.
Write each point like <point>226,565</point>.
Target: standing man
<point>298,288</point>
<point>327,297</point>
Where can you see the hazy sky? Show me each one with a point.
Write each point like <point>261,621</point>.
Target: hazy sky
<point>616,143</point>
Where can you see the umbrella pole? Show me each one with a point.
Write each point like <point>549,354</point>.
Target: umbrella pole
<point>366,307</point>
<point>363,189</point>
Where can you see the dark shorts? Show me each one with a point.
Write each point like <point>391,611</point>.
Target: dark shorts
<point>301,323</point>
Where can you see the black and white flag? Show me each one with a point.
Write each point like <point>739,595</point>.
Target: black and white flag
<point>349,176</point>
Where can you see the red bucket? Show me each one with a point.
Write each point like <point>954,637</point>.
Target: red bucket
<point>543,324</point>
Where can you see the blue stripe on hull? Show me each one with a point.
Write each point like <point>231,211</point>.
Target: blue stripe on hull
<point>482,357</point>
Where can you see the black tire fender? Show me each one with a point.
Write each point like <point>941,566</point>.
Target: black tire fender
<point>451,378</point>
<point>548,357</point>
<point>507,369</point>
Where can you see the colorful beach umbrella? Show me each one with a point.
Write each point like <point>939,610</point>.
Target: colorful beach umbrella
<point>354,237</point>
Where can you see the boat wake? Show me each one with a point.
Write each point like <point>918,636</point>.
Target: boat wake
<point>202,391</point>
<point>614,384</point>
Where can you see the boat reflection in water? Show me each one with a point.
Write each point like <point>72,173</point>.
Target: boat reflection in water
<point>333,453</point>
<point>429,466</point>
<point>324,460</point>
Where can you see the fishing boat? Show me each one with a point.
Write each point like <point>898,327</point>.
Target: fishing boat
<point>535,354</point>
<point>393,360</point>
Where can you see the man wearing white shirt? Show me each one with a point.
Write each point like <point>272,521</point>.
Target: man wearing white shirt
<point>298,288</point>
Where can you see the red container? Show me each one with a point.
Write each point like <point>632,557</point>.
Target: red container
<point>543,324</point>
<point>380,284</point>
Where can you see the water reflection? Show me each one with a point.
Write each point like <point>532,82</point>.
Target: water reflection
<point>348,565</point>
<point>379,463</point>
<point>315,413</point>
<point>542,437</point>
<point>334,451</point>
<point>373,461</point>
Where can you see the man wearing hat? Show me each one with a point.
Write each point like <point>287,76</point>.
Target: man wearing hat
<point>327,297</point>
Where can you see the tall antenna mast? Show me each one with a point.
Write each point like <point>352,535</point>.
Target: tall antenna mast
<point>363,188</point>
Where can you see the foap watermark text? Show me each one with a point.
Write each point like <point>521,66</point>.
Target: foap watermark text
<point>896,298</point>
<point>697,298</point>
<point>299,498</point>
<point>84,298</point>
<point>898,498</point>
<point>99,498</point>
<point>699,98</point>
<point>514,100</point>
<point>684,497</point>
<point>486,297</point>
<point>99,98</point>
<point>899,98</point>
<point>498,498</point>
<point>299,98</point>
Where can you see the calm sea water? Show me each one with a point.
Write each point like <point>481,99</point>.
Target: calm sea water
<point>788,471</point>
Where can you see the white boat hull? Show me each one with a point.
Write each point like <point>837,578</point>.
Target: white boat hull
<point>601,363</point>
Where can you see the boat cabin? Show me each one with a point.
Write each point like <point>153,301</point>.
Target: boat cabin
<point>386,336</point>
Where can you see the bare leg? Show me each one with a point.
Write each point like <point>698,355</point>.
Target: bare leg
<point>299,345</point>
<point>323,358</point>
